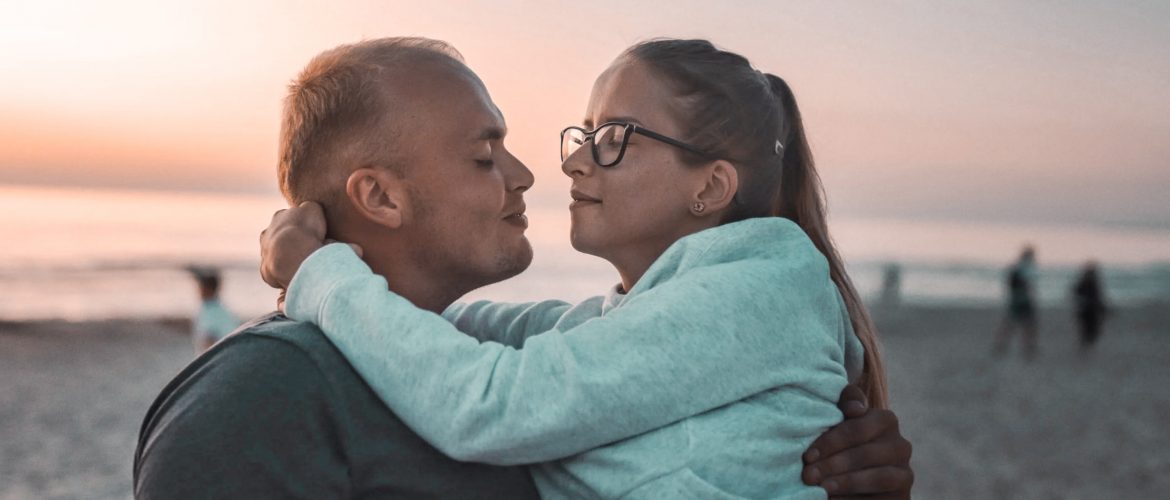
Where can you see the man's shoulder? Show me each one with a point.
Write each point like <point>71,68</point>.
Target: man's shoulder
<point>275,334</point>
<point>269,356</point>
<point>280,328</point>
<point>267,362</point>
<point>263,385</point>
<point>309,424</point>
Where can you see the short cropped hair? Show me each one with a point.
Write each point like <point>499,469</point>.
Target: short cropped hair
<point>336,113</point>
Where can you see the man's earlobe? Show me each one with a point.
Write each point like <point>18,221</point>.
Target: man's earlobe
<point>720,187</point>
<point>377,195</point>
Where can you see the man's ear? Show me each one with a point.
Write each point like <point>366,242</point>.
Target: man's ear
<point>378,195</point>
<point>722,182</point>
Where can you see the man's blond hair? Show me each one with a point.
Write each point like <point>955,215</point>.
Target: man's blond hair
<point>338,112</point>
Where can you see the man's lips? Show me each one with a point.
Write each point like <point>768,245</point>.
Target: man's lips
<point>516,216</point>
<point>520,220</point>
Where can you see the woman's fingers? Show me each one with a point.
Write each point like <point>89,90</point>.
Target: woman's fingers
<point>292,235</point>
<point>280,300</point>
<point>311,216</point>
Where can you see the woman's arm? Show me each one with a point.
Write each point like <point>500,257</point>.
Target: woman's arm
<point>696,342</point>
<point>503,322</point>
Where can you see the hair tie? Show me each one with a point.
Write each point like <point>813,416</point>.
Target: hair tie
<point>779,149</point>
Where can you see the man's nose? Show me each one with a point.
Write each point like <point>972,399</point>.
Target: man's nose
<point>519,177</point>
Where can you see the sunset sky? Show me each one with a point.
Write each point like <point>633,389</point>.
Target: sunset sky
<point>1039,110</point>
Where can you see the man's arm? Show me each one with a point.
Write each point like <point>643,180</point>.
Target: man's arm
<point>249,420</point>
<point>865,455</point>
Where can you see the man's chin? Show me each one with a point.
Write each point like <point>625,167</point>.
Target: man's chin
<point>518,262</point>
<point>507,265</point>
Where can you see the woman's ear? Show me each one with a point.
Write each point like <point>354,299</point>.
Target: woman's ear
<point>377,195</point>
<point>722,182</point>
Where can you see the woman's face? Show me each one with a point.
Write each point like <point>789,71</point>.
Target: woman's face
<point>631,212</point>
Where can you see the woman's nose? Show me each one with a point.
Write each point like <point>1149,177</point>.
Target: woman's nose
<point>578,164</point>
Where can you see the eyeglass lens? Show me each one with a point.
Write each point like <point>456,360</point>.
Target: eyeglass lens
<point>607,142</point>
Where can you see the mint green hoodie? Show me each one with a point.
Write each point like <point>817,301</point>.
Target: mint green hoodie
<point>707,380</point>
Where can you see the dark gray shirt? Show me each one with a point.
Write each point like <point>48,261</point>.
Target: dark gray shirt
<point>275,411</point>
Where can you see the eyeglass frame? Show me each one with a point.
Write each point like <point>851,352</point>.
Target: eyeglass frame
<point>631,128</point>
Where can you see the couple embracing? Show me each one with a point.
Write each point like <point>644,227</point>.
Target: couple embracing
<point>733,360</point>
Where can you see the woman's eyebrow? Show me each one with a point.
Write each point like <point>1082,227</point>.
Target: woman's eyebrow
<point>588,124</point>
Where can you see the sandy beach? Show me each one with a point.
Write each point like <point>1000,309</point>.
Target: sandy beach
<point>72,396</point>
<point>1061,427</point>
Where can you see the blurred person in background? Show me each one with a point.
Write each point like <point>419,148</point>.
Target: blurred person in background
<point>1021,306</point>
<point>891,286</point>
<point>1089,305</point>
<point>213,321</point>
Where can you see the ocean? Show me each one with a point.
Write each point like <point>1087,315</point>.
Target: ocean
<point>83,254</point>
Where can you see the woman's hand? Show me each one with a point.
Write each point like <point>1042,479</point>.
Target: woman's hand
<point>293,235</point>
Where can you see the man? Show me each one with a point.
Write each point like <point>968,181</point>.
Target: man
<point>402,145</point>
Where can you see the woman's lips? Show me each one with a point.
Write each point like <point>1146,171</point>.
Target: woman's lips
<point>582,200</point>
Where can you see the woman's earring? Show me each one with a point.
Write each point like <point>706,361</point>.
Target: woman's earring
<point>698,207</point>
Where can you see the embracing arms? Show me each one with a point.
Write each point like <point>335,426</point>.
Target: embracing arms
<point>864,454</point>
<point>665,355</point>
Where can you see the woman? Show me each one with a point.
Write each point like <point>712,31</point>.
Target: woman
<point>693,177</point>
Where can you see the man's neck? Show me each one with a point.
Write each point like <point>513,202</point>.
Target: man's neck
<point>394,258</point>
<point>414,283</point>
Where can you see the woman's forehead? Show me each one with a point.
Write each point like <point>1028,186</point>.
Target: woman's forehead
<point>628,88</point>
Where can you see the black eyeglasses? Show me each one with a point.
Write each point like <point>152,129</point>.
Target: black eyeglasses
<point>609,141</point>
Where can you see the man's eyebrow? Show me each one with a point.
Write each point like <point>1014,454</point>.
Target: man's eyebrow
<point>491,134</point>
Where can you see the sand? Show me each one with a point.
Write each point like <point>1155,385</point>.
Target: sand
<point>1061,427</point>
<point>72,396</point>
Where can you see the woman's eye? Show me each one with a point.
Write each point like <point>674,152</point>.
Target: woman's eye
<point>485,163</point>
<point>609,140</point>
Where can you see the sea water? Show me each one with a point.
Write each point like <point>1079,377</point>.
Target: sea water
<point>78,254</point>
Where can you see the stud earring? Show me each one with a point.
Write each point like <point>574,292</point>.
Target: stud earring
<point>698,207</point>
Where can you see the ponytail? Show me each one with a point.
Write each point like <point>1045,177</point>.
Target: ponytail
<point>801,199</point>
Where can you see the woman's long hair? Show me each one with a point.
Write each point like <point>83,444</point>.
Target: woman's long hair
<point>733,111</point>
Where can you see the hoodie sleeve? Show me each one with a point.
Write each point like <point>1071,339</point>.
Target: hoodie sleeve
<point>704,339</point>
<point>503,322</point>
